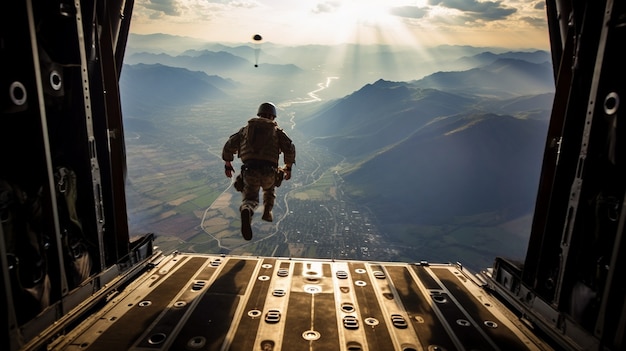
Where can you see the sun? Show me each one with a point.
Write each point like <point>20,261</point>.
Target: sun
<point>365,22</point>
<point>369,14</point>
<point>366,13</point>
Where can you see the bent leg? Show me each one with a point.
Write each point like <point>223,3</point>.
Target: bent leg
<point>269,195</point>
<point>250,193</point>
<point>252,183</point>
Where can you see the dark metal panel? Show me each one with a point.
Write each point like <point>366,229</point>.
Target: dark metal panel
<point>426,279</point>
<point>245,336</point>
<point>379,337</point>
<point>210,322</point>
<point>543,247</point>
<point>113,143</point>
<point>126,329</point>
<point>163,331</point>
<point>310,308</point>
<point>490,325</point>
<point>428,327</point>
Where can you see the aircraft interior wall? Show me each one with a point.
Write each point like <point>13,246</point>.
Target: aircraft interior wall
<point>64,231</point>
<point>569,280</point>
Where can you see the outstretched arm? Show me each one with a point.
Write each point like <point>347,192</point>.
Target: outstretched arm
<point>228,153</point>
<point>289,152</point>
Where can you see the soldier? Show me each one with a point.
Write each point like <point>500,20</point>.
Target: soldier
<point>258,145</point>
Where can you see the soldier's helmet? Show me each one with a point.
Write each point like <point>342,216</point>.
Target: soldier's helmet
<point>267,108</point>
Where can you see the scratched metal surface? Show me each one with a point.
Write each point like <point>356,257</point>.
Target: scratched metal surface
<point>204,302</point>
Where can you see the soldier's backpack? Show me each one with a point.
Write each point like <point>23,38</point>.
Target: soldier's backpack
<point>258,134</point>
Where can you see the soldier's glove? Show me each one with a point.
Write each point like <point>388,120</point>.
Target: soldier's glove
<point>280,174</point>
<point>228,170</point>
<point>287,171</point>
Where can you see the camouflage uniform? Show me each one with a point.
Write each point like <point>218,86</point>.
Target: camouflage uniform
<point>260,159</point>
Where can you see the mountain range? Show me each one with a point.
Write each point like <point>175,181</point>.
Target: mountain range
<point>451,146</point>
<point>269,66</point>
<point>148,86</point>
<point>221,62</point>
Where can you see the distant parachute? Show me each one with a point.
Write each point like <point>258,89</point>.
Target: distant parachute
<point>257,48</point>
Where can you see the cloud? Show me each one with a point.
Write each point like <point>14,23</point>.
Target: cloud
<point>534,21</point>
<point>326,7</point>
<point>243,4</point>
<point>186,11</point>
<point>230,20</point>
<point>167,7</point>
<point>409,11</point>
<point>234,3</point>
<point>477,11</point>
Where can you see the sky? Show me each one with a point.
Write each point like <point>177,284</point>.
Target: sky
<point>502,23</point>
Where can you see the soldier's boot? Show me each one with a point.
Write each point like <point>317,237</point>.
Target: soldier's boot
<point>267,214</point>
<point>246,221</point>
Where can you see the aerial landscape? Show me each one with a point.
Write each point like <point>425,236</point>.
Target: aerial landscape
<point>438,168</point>
<point>404,152</point>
